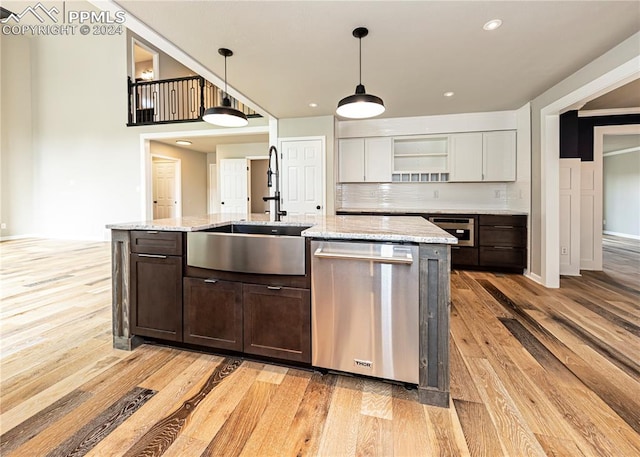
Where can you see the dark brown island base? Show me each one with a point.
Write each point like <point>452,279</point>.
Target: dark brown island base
<point>190,282</point>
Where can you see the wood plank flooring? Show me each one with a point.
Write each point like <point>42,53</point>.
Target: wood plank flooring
<point>534,372</point>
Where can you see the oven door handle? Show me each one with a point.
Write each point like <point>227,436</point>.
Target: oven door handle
<point>407,260</point>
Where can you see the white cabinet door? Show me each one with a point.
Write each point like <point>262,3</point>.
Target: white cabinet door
<point>465,157</point>
<point>351,160</point>
<point>365,159</point>
<point>378,159</point>
<point>499,156</point>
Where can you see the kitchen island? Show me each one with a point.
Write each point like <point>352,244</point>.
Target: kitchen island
<point>160,246</point>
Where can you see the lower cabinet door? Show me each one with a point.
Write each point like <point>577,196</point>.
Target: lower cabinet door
<point>156,296</point>
<point>464,256</point>
<point>277,322</point>
<point>213,313</point>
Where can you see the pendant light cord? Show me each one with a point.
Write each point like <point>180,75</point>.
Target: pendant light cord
<point>360,46</point>
<point>225,76</point>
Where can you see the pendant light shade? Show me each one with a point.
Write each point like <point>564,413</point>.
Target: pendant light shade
<point>225,115</point>
<point>360,105</point>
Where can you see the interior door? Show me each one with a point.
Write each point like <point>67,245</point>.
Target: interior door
<point>164,189</point>
<point>302,180</point>
<point>234,190</point>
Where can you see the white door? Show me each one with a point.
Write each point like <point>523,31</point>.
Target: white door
<point>302,183</point>
<point>351,160</point>
<point>378,158</point>
<point>213,188</point>
<point>465,157</point>
<point>234,192</point>
<point>164,189</point>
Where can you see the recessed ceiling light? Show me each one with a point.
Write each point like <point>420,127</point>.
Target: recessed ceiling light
<point>448,94</point>
<point>183,142</point>
<point>313,105</point>
<point>492,24</point>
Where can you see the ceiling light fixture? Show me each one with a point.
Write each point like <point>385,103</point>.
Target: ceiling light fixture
<point>492,24</point>
<point>183,142</point>
<point>313,105</point>
<point>360,105</point>
<point>225,116</point>
<point>449,94</point>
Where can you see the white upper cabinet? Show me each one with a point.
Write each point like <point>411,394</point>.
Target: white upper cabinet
<point>485,156</point>
<point>499,156</point>
<point>365,159</point>
<point>465,157</point>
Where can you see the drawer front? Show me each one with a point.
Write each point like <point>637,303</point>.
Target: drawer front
<point>503,236</point>
<point>505,220</point>
<point>503,257</point>
<point>156,242</point>
<point>462,256</point>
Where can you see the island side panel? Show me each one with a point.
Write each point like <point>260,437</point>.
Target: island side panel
<point>435,268</point>
<point>120,268</point>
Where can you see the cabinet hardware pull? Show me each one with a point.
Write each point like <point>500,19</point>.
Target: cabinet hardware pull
<point>152,232</point>
<point>274,287</point>
<point>502,247</point>
<point>153,256</point>
<point>211,281</point>
<point>503,226</point>
<point>408,260</point>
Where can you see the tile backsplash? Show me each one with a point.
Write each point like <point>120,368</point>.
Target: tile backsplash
<point>421,196</point>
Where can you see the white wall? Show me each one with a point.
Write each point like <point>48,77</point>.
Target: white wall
<point>77,167</point>
<point>17,161</point>
<point>194,176</point>
<point>622,194</point>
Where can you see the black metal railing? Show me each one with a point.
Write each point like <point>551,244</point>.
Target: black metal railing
<point>175,100</point>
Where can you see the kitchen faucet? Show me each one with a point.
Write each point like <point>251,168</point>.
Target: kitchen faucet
<point>276,195</point>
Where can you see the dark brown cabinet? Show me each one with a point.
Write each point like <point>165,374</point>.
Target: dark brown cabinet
<point>503,241</point>
<point>156,284</point>
<point>156,296</point>
<point>277,322</point>
<point>213,313</point>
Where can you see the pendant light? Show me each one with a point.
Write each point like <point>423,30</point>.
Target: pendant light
<point>360,105</point>
<point>225,116</point>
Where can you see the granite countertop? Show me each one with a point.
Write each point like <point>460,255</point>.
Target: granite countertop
<point>499,212</point>
<point>411,229</point>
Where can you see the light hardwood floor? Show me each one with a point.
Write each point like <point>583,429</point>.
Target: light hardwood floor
<point>534,371</point>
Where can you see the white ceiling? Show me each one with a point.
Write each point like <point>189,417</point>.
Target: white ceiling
<point>288,54</point>
<point>208,144</point>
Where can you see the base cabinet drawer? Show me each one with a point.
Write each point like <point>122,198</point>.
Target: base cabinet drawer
<point>503,236</point>
<point>277,322</point>
<point>213,313</point>
<point>501,256</point>
<point>464,256</point>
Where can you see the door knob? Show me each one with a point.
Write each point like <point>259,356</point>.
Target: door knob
<point>318,207</point>
<point>222,203</point>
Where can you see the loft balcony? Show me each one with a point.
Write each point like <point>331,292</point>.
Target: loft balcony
<point>175,100</point>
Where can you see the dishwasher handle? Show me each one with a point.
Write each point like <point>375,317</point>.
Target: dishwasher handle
<point>408,260</point>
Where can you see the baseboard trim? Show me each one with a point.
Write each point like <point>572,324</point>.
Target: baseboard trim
<point>621,235</point>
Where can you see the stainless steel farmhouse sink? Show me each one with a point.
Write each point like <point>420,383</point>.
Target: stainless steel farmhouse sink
<point>249,248</point>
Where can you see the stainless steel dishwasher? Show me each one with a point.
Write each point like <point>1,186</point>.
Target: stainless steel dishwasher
<point>364,304</point>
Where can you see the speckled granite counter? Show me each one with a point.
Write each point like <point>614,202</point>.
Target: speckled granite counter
<point>372,228</point>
